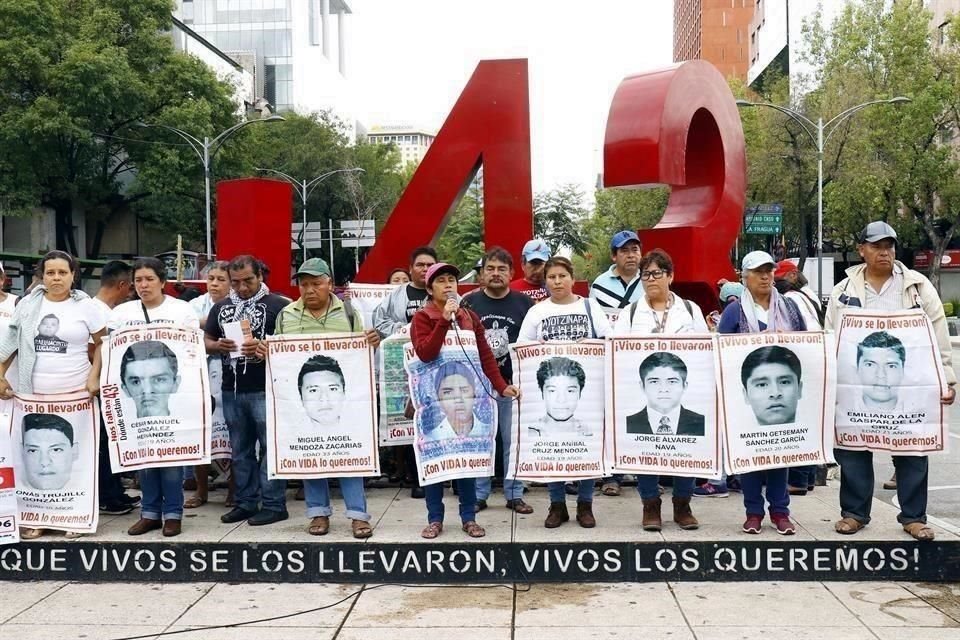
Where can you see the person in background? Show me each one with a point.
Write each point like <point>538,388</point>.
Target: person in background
<point>396,311</point>
<point>582,318</point>
<point>884,284</point>
<point>791,283</point>
<point>218,287</point>
<point>501,311</point>
<point>66,367</point>
<point>398,276</point>
<point>534,256</point>
<point>761,308</point>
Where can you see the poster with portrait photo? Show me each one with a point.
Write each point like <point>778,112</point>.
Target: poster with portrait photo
<point>321,416</point>
<point>455,422</point>
<point>889,383</point>
<point>661,415</point>
<point>9,517</point>
<point>395,427</point>
<point>777,396</point>
<point>55,442</point>
<point>367,297</point>
<point>558,425</point>
<point>155,396</point>
<point>220,448</point>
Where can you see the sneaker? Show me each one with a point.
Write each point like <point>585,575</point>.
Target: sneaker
<point>753,524</point>
<point>711,491</point>
<point>131,500</point>
<point>116,509</point>
<point>733,484</point>
<point>267,516</point>
<point>783,525</point>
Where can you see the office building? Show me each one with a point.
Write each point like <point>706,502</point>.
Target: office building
<point>410,141</point>
<point>715,31</point>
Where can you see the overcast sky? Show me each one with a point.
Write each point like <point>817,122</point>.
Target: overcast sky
<point>409,60</point>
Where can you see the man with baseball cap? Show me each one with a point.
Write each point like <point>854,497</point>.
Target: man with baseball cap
<point>883,283</point>
<point>619,285</point>
<point>535,255</point>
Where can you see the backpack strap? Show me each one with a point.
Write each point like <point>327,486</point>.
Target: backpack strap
<point>586,305</point>
<point>351,314</point>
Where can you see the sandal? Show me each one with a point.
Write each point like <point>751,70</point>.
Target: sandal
<point>848,526</point>
<point>610,489</point>
<point>319,526</point>
<point>72,535</point>
<point>920,531</point>
<point>432,530</point>
<point>473,529</point>
<point>31,534</point>
<point>361,529</point>
<point>193,502</point>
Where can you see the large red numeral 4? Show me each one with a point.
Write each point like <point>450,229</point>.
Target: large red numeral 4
<point>680,127</point>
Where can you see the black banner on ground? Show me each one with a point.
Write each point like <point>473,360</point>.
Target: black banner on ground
<point>478,563</point>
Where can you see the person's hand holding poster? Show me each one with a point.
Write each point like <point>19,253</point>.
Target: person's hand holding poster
<point>156,397</point>
<point>9,529</point>
<point>55,441</point>
<point>777,395</point>
<point>671,426</point>
<point>889,383</point>
<point>395,427</point>
<point>456,414</point>
<point>321,421</point>
<point>558,426</point>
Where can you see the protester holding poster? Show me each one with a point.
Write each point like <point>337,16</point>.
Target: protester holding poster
<point>54,441</point>
<point>501,310</point>
<point>566,317</point>
<point>664,380</point>
<point>322,388</point>
<point>884,286</point>
<point>771,387</point>
<point>49,333</point>
<point>456,388</point>
<point>150,375</point>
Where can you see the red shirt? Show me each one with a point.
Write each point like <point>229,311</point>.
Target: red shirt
<point>537,292</point>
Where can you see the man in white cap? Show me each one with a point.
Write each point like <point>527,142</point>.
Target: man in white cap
<point>535,255</point>
<point>883,283</point>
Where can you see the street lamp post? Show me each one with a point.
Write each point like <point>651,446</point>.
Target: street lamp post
<point>819,133</point>
<point>206,149</point>
<point>304,189</point>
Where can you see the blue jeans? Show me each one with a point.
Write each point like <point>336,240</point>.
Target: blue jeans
<point>317,493</point>
<point>162,490</point>
<point>777,495</point>
<point>584,491</point>
<point>856,485</point>
<point>512,489</point>
<point>802,477</point>
<point>468,500</point>
<point>648,489</point>
<point>246,416</point>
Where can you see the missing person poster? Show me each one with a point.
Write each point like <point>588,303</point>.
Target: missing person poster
<point>367,297</point>
<point>220,448</point>
<point>558,426</point>
<point>777,396</point>
<point>55,442</point>
<point>889,383</point>
<point>321,417</point>
<point>395,427</point>
<point>9,529</point>
<point>662,406</point>
<point>456,413</point>
<point>156,397</point>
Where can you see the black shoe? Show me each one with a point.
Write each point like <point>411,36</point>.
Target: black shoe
<point>116,509</point>
<point>481,505</point>
<point>571,488</point>
<point>418,492</point>
<point>266,516</point>
<point>130,500</point>
<point>236,515</point>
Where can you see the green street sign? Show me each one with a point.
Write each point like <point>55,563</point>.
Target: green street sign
<point>763,220</point>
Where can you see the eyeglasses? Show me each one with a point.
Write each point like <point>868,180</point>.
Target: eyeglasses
<point>653,275</point>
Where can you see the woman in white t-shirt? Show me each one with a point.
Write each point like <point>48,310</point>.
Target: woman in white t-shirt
<point>565,316</point>
<point>162,488</point>
<point>218,288</point>
<point>49,331</point>
<point>662,311</point>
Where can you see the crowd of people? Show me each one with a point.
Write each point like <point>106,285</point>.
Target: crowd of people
<point>505,308</point>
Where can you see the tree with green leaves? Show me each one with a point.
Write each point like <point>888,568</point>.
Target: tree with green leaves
<point>558,215</point>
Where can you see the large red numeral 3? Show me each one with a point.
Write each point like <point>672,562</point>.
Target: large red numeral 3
<point>680,127</point>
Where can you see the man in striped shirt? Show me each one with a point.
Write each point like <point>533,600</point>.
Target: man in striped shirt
<point>619,285</point>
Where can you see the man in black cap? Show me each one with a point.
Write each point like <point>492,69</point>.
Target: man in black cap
<point>883,283</point>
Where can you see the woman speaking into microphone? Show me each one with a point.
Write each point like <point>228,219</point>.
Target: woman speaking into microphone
<point>427,332</point>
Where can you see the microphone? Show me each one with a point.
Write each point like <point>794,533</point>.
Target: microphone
<point>453,320</point>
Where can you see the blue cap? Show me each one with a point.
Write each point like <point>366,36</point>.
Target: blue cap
<point>621,238</point>
<point>730,289</point>
<point>536,249</point>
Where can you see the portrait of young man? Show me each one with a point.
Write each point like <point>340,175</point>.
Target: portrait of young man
<point>323,391</point>
<point>561,381</point>
<point>772,385</point>
<point>880,360</point>
<point>149,374</point>
<point>49,451</point>
<point>456,396</point>
<point>663,377</point>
